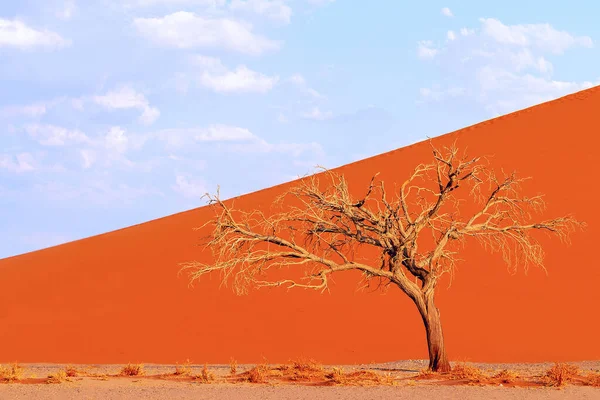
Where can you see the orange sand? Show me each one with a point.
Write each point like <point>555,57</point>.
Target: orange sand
<point>116,297</point>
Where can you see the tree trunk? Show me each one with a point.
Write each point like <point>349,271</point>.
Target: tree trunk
<point>438,361</point>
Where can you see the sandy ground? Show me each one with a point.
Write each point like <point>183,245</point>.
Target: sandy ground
<point>120,389</point>
<point>104,385</point>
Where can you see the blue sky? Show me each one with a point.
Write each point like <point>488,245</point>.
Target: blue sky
<point>115,112</point>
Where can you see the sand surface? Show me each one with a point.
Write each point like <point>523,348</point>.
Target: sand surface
<point>117,390</point>
<point>117,297</point>
<point>106,386</point>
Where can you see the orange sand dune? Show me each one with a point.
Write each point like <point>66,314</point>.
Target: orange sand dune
<point>117,297</point>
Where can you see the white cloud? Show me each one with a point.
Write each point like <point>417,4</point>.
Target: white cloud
<point>177,138</point>
<point>539,36</point>
<point>425,50</point>
<point>217,77</point>
<point>189,188</point>
<point>466,32</point>
<point>505,91</point>
<point>116,140</point>
<point>229,138</point>
<point>447,12</point>
<point>21,162</point>
<point>149,115</point>
<point>15,33</point>
<point>67,11</point>
<point>224,133</point>
<point>31,111</point>
<point>241,79</point>
<point>276,10</point>
<point>501,67</point>
<point>88,156</point>
<point>299,81</point>
<point>52,135</point>
<point>186,30</point>
<point>451,35</point>
<point>317,114</point>
<point>125,97</point>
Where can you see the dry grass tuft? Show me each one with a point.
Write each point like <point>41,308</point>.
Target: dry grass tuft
<point>206,376</point>
<point>560,374</point>
<point>337,376</point>
<point>59,377</point>
<point>302,369</point>
<point>467,372</point>
<point>71,371</point>
<point>11,373</point>
<point>428,374</point>
<point>258,374</point>
<point>183,370</point>
<point>506,376</point>
<point>132,370</point>
<point>592,379</point>
<point>233,366</point>
<point>368,377</point>
<point>306,365</point>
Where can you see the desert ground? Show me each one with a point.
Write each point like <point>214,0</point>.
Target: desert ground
<point>301,379</point>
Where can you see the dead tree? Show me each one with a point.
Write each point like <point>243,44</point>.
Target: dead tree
<point>416,233</point>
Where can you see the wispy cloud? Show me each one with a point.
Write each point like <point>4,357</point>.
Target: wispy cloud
<point>215,76</point>
<point>447,12</point>
<point>317,114</point>
<point>21,162</point>
<point>502,67</point>
<point>186,30</point>
<point>31,111</point>
<point>125,97</point>
<point>276,10</point>
<point>67,10</point>
<point>299,81</point>
<point>52,135</point>
<point>189,187</point>
<point>16,34</point>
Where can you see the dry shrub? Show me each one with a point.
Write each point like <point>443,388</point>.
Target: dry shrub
<point>258,374</point>
<point>59,377</point>
<point>337,376</point>
<point>183,370</point>
<point>361,378</point>
<point>302,369</point>
<point>71,371</point>
<point>306,365</point>
<point>132,370</point>
<point>233,366</point>
<point>11,373</point>
<point>506,376</point>
<point>560,374</point>
<point>428,374</point>
<point>205,376</point>
<point>592,379</point>
<point>467,372</point>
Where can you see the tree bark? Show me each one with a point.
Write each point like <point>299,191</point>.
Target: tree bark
<point>438,361</point>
